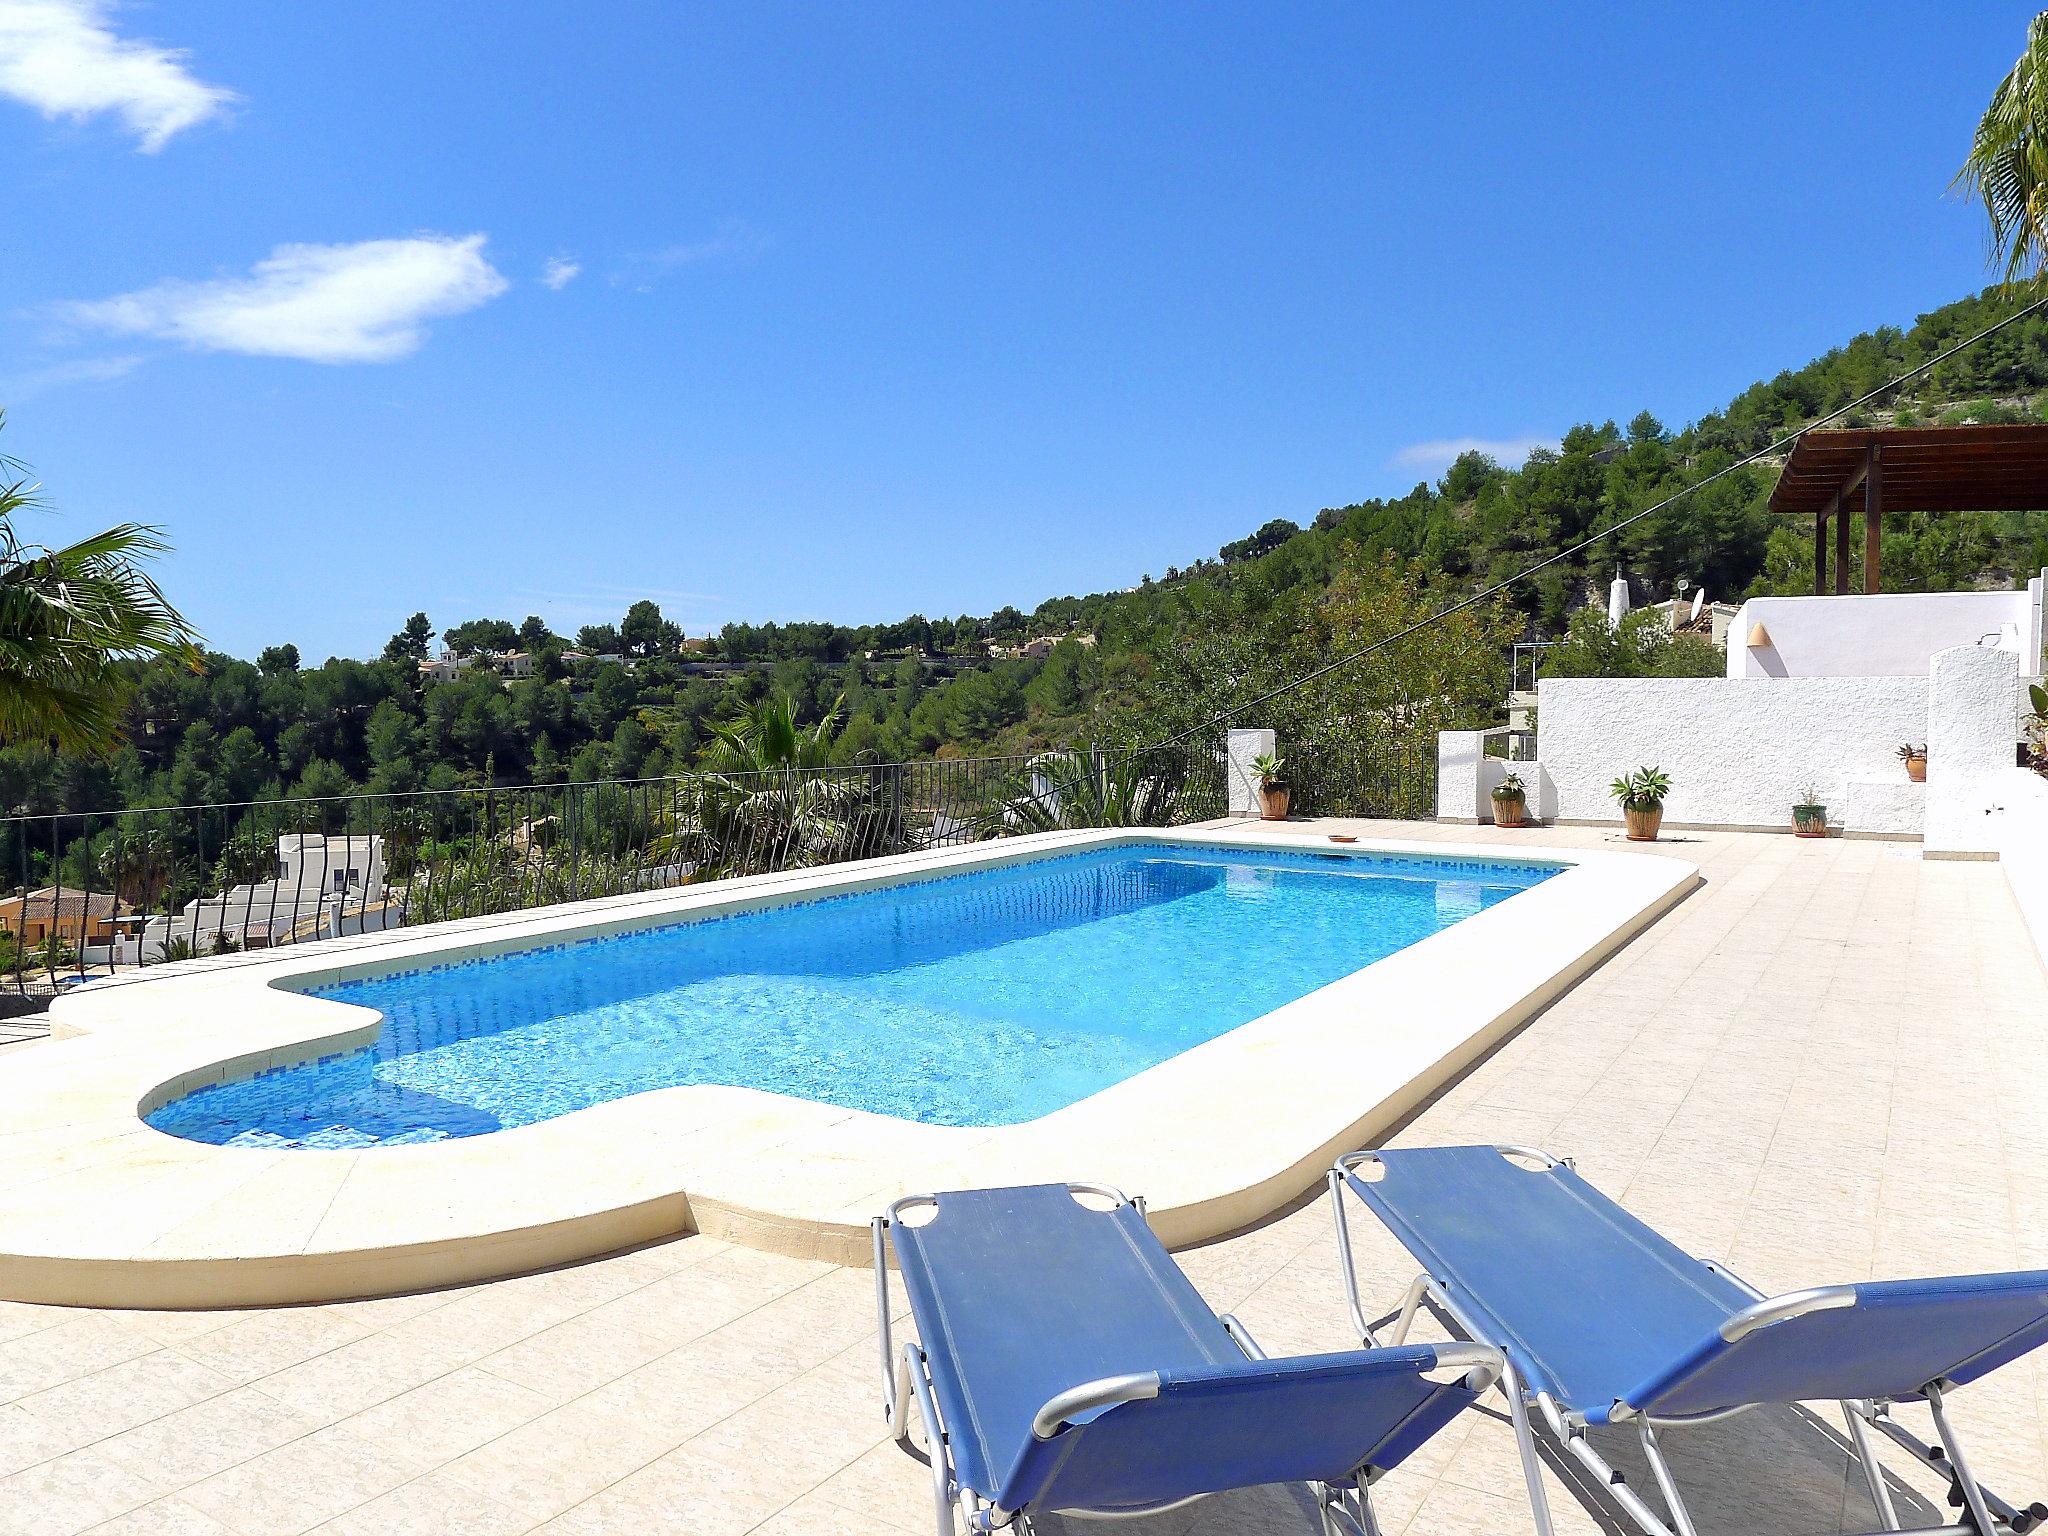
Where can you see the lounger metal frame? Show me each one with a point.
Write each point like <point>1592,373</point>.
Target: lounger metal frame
<point>1345,1510</point>
<point>1988,1514</point>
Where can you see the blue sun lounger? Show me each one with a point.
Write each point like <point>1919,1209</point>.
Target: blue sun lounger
<point>1603,1321</point>
<point>1066,1363</point>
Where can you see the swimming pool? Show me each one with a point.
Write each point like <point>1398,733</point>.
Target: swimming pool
<point>983,998</point>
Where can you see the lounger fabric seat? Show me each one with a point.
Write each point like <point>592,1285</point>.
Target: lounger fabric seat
<point>1596,1309</point>
<point>1595,1301</point>
<point>1604,1321</point>
<point>1897,1337</point>
<point>1023,1294</point>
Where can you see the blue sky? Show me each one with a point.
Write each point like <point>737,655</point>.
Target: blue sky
<point>809,311</point>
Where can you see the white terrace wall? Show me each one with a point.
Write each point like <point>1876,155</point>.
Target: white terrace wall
<point>1739,750</point>
<point>1893,634</point>
<point>1742,751</point>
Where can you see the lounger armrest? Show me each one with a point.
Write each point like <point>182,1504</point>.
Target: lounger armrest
<point>1876,1340</point>
<point>1092,1397</point>
<point>1779,1309</point>
<point>1133,1442</point>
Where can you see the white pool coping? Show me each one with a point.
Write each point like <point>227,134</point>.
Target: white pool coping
<point>98,1208</point>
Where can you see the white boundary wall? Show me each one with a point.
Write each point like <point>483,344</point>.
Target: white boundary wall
<point>1739,750</point>
<point>1888,634</point>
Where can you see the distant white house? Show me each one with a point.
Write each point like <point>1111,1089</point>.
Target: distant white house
<point>513,663</point>
<point>324,887</point>
<point>446,667</point>
<point>1711,623</point>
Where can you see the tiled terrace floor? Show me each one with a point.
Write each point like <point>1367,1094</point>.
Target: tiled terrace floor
<point>1827,1064</point>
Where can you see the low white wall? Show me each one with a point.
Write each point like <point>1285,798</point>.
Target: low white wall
<point>1739,751</point>
<point>1239,748</point>
<point>1465,777</point>
<point>1461,775</point>
<point>1888,634</point>
<point>2023,848</point>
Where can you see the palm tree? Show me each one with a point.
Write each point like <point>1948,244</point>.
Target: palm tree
<point>138,863</point>
<point>2008,163</point>
<point>767,797</point>
<point>67,616</point>
<point>770,739</point>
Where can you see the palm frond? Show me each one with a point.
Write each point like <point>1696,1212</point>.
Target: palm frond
<point>2007,167</point>
<point>67,616</point>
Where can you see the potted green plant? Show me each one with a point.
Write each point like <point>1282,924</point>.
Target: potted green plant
<point>1510,802</point>
<point>1915,759</point>
<point>2037,727</point>
<point>1270,769</point>
<point>1809,816</point>
<point>1641,797</point>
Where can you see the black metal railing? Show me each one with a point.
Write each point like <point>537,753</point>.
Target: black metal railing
<point>97,892</point>
<point>1343,776</point>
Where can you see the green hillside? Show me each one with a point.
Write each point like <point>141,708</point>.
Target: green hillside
<point>1275,602</point>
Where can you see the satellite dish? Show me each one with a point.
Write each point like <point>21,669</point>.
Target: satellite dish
<point>1699,601</point>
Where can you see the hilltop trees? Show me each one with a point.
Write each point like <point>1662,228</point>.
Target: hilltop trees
<point>412,642</point>
<point>646,633</point>
<point>481,635</point>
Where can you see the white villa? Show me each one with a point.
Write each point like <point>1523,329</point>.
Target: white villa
<point>324,887</point>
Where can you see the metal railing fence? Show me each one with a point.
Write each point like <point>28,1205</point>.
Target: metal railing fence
<point>96,892</point>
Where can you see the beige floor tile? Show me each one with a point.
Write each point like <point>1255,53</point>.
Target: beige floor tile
<point>193,1443</point>
<point>96,1407</point>
<point>161,1517</point>
<point>557,1461</point>
<point>300,1485</point>
<point>271,1341</point>
<point>72,1493</point>
<point>449,1417</point>
<point>434,1505</point>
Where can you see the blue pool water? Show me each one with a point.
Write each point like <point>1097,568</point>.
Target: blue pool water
<point>983,998</point>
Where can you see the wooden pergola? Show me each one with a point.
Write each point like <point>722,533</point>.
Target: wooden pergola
<point>1874,470</point>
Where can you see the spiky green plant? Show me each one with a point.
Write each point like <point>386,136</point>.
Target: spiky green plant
<point>1061,790</point>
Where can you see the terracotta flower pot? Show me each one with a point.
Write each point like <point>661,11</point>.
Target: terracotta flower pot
<point>1510,811</point>
<point>1810,820</point>
<point>1916,769</point>
<point>1643,825</point>
<point>1275,798</point>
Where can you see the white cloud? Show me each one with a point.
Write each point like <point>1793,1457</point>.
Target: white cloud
<point>734,241</point>
<point>558,272</point>
<point>1439,453</point>
<point>362,303</point>
<point>84,370</point>
<point>61,58</point>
